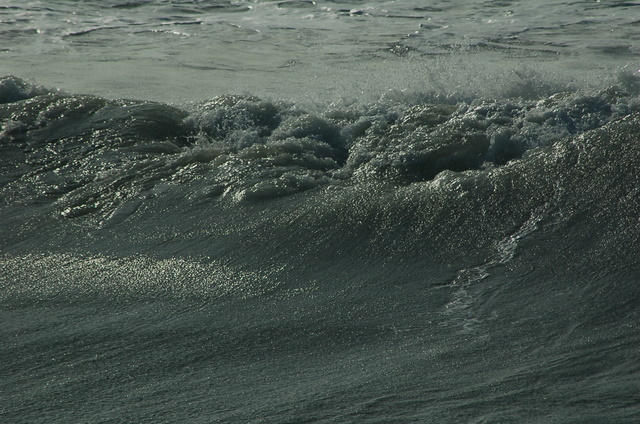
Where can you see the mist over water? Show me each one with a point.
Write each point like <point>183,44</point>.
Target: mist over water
<point>296,211</point>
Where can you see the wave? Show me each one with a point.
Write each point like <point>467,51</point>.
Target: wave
<point>478,256</point>
<point>247,148</point>
<point>263,179</point>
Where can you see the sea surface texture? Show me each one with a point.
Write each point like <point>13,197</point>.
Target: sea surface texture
<point>319,211</point>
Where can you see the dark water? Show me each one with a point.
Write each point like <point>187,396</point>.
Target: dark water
<point>245,260</point>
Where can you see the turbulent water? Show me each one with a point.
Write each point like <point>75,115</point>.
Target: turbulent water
<point>325,212</point>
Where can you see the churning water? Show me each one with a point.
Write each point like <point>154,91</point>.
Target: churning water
<point>319,211</point>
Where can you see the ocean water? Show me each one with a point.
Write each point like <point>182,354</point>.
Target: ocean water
<point>319,211</point>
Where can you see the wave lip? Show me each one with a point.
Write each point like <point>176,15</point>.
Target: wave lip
<point>13,89</point>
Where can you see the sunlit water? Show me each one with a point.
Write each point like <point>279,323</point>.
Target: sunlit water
<point>327,212</point>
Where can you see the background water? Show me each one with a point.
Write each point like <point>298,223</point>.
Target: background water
<point>176,51</point>
<point>297,211</point>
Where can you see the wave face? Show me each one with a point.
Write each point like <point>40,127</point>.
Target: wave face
<point>242,259</point>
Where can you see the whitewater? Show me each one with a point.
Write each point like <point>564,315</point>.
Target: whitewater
<point>319,211</point>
